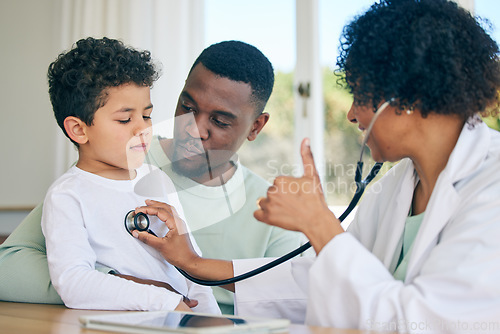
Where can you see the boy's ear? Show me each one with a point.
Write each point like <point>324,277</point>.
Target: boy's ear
<point>257,126</point>
<point>76,129</point>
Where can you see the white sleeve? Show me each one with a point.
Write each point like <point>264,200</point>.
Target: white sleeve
<point>346,278</point>
<point>204,294</point>
<point>205,298</point>
<point>280,292</point>
<point>457,287</point>
<point>72,264</point>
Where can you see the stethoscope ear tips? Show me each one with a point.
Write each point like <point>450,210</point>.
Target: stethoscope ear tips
<point>133,221</point>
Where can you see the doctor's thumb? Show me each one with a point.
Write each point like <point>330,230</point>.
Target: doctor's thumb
<point>308,159</point>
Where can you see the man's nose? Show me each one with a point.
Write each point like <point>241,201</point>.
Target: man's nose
<point>198,128</point>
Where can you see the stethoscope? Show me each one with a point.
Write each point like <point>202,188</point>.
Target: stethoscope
<point>140,220</point>
<point>137,221</point>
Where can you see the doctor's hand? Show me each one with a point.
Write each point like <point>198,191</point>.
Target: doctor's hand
<point>298,204</point>
<point>176,245</point>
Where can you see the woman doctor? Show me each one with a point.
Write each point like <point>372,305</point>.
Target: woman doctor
<point>423,252</point>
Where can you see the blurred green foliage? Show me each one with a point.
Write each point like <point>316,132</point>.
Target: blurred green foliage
<point>271,154</point>
<point>493,121</point>
<point>281,107</point>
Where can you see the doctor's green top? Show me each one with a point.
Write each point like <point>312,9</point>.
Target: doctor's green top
<point>412,226</point>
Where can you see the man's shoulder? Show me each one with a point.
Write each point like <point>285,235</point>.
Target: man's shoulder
<point>253,179</point>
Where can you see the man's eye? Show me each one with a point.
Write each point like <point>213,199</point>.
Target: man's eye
<point>187,108</point>
<point>124,121</point>
<point>220,123</point>
<point>147,118</point>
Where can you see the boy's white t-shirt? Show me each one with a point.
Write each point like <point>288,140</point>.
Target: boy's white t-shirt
<point>84,226</point>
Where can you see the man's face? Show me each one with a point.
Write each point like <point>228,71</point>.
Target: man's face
<point>214,116</point>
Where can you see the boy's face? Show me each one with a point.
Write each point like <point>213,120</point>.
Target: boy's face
<point>120,134</point>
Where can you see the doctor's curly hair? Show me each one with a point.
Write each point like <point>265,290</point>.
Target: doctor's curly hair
<point>430,54</point>
<point>78,79</point>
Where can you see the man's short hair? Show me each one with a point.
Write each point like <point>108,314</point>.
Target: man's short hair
<point>239,61</point>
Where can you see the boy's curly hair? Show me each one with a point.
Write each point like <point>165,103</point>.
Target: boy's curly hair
<point>78,79</point>
<point>430,54</point>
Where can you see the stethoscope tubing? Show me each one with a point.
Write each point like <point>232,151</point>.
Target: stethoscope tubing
<point>360,188</point>
<point>131,219</point>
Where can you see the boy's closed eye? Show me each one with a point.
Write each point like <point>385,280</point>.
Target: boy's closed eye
<point>125,121</point>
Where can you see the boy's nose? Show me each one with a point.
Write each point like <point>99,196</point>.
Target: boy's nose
<point>143,131</point>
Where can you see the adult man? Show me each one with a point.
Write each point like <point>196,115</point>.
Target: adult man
<point>220,106</point>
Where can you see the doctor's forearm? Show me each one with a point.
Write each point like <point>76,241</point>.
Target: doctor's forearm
<point>211,269</point>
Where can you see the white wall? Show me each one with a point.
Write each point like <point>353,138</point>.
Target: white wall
<point>31,38</point>
<point>27,126</point>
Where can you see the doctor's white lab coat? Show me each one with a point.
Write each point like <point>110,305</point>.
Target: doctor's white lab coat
<point>452,281</point>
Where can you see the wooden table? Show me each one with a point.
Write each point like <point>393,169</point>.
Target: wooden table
<point>22,318</point>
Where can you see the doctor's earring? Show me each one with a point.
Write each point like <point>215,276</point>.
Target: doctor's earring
<point>409,111</point>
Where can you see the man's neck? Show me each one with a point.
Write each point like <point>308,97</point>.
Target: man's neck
<point>218,179</point>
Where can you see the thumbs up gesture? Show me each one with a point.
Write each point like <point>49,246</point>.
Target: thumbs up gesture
<point>298,204</point>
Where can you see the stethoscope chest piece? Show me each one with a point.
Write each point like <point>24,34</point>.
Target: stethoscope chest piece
<point>139,222</point>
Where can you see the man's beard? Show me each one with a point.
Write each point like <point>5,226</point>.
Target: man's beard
<point>203,164</point>
<point>198,163</point>
<point>179,166</point>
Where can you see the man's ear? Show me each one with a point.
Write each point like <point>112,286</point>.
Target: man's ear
<point>76,129</point>
<point>257,126</point>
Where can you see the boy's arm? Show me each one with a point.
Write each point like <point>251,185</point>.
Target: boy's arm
<point>24,274</point>
<point>71,261</point>
<point>189,302</point>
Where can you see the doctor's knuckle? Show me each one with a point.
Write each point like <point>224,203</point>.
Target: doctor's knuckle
<point>271,190</point>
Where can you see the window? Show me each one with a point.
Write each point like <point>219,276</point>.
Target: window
<point>489,12</point>
<point>294,35</point>
<point>269,26</point>
<point>279,28</point>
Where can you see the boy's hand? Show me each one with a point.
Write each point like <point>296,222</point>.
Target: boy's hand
<point>175,246</point>
<point>189,302</point>
<point>182,307</point>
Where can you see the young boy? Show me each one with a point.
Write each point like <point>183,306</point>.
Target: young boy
<point>100,93</point>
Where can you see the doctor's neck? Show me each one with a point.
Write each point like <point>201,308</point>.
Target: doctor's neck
<point>432,140</point>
